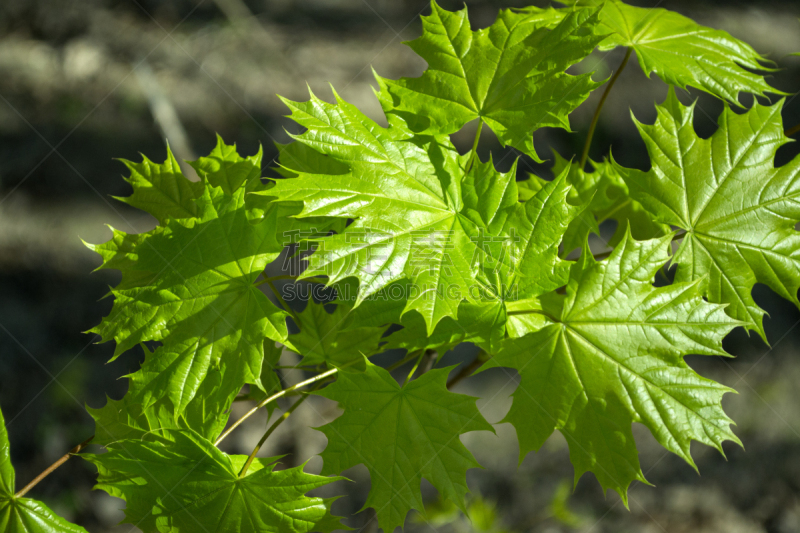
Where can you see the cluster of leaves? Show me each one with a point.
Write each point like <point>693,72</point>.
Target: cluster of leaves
<point>411,232</point>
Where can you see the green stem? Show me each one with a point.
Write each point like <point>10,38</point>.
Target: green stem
<point>428,360</point>
<point>468,370</point>
<point>283,302</point>
<point>277,395</point>
<point>612,81</point>
<point>269,432</point>
<point>406,359</point>
<point>414,368</point>
<point>474,151</point>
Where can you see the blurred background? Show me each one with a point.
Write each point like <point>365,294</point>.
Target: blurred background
<point>83,82</point>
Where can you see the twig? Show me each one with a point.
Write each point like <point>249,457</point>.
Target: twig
<point>467,371</point>
<point>269,432</point>
<point>428,361</point>
<point>274,397</point>
<point>612,81</point>
<point>49,469</point>
<point>409,356</point>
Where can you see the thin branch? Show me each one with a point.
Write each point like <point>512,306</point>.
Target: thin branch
<point>409,356</point>
<point>612,81</point>
<point>468,370</point>
<point>792,131</point>
<point>61,461</point>
<point>428,361</point>
<point>269,432</point>
<point>274,397</point>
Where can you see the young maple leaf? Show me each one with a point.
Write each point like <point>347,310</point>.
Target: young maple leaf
<point>184,483</point>
<point>189,283</point>
<point>524,264</point>
<point>24,515</point>
<point>613,355</point>
<point>323,338</point>
<point>605,196</point>
<point>682,52</point>
<point>738,210</point>
<point>143,411</point>
<point>401,434</point>
<point>161,189</point>
<point>404,197</point>
<point>226,169</point>
<point>511,76</point>
<point>516,259</point>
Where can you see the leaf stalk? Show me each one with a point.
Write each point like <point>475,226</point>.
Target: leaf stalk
<point>593,125</point>
<point>474,151</point>
<point>274,397</point>
<point>269,432</point>
<point>414,368</point>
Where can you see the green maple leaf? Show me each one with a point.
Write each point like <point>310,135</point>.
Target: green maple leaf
<point>161,189</point>
<point>324,339</point>
<point>136,415</point>
<point>680,51</point>
<point>518,264</point>
<point>401,434</point>
<point>481,324</point>
<point>614,356</point>
<point>190,284</point>
<point>490,196</point>
<point>184,483</point>
<point>523,264</point>
<point>534,232</point>
<point>24,515</point>
<point>606,197</point>
<point>404,197</point>
<point>293,158</point>
<point>738,210</point>
<point>519,241</point>
<point>226,169</point>
<point>519,259</point>
<point>382,308</point>
<point>511,75</point>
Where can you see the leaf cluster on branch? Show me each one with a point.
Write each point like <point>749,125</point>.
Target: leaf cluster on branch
<point>406,231</point>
